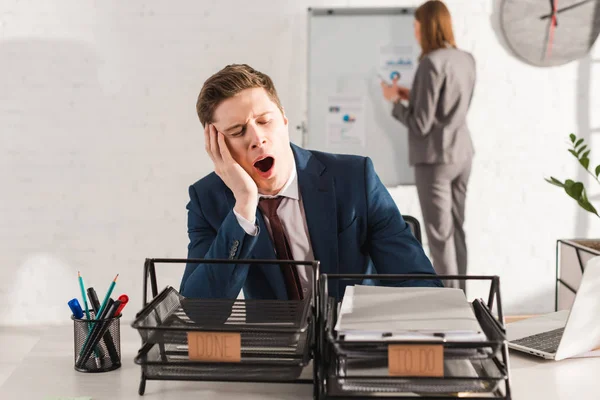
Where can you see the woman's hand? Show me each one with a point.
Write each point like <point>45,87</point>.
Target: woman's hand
<point>403,92</point>
<point>394,92</point>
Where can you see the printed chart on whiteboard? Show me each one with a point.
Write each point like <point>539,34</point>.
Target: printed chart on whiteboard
<point>346,120</point>
<point>397,62</point>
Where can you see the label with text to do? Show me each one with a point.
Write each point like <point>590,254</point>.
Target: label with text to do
<point>415,360</point>
<point>214,346</point>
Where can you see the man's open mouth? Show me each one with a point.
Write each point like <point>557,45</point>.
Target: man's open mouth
<point>265,164</point>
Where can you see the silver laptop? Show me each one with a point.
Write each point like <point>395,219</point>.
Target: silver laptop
<point>566,333</point>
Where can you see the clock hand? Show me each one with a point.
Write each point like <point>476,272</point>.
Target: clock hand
<point>553,24</point>
<point>566,8</point>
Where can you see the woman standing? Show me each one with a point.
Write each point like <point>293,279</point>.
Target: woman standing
<point>440,147</point>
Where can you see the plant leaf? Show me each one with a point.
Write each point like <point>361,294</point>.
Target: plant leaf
<point>554,181</point>
<point>573,137</point>
<point>573,152</point>
<point>585,162</point>
<point>579,142</point>
<point>586,154</point>
<point>581,149</point>
<point>585,204</point>
<point>588,207</point>
<point>591,209</point>
<point>598,171</point>
<point>574,190</point>
<point>577,191</point>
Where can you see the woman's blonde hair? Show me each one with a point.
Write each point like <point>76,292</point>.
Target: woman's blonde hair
<point>436,26</point>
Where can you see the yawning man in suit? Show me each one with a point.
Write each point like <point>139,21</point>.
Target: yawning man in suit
<point>270,199</point>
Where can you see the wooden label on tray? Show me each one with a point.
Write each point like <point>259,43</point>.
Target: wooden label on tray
<point>214,346</point>
<point>415,360</point>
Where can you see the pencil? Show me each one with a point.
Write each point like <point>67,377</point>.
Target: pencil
<point>108,293</point>
<point>87,314</point>
<point>85,303</point>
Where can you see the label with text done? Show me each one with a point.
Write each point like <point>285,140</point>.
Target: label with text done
<point>214,346</point>
<point>415,360</point>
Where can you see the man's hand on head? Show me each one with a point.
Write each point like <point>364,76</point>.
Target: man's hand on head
<point>233,175</point>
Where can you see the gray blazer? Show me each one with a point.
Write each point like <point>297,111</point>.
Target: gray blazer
<point>436,114</point>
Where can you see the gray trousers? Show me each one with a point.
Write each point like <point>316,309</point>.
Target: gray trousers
<point>442,190</point>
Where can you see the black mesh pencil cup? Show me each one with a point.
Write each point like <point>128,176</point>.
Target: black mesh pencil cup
<point>97,344</point>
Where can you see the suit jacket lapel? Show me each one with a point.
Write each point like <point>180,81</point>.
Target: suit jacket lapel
<point>318,197</point>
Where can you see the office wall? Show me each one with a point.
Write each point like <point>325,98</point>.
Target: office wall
<point>99,141</point>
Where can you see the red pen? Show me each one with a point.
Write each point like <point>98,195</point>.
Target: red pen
<point>124,299</point>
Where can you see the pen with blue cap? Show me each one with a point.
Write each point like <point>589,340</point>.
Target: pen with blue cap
<point>75,308</point>
<point>78,314</point>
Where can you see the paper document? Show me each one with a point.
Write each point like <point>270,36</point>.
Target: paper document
<point>407,313</point>
<point>346,120</point>
<point>398,62</point>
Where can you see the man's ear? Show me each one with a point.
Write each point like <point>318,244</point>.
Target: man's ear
<point>285,119</point>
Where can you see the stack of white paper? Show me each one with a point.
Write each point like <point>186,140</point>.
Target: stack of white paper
<point>398,313</point>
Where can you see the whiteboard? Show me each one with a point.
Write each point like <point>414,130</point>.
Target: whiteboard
<point>347,49</point>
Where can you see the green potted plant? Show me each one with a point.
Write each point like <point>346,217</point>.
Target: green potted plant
<point>572,254</point>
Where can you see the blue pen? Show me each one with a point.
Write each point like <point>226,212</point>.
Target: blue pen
<point>75,309</point>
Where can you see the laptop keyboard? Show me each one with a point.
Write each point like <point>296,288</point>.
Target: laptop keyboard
<point>546,341</point>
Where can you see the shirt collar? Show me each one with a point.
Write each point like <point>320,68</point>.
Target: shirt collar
<point>290,189</point>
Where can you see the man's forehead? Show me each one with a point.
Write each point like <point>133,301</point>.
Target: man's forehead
<point>238,113</point>
<point>235,109</point>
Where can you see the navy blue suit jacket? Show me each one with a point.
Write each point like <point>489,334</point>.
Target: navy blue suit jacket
<point>354,226</point>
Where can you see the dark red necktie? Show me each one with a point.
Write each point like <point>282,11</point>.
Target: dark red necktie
<point>282,247</point>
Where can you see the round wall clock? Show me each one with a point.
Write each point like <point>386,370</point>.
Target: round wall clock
<point>550,32</point>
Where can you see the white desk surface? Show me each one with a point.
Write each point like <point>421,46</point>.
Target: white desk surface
<point>43,367</point>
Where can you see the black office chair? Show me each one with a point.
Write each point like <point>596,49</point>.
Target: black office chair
<point>414,225</point>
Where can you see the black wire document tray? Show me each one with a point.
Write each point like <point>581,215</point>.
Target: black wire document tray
<point>361,368</point>
<point>275,338</point>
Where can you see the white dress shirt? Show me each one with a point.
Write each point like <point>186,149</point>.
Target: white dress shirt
<point>292,216</point>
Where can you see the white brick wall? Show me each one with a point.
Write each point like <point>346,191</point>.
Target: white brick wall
<point>99,141</point>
